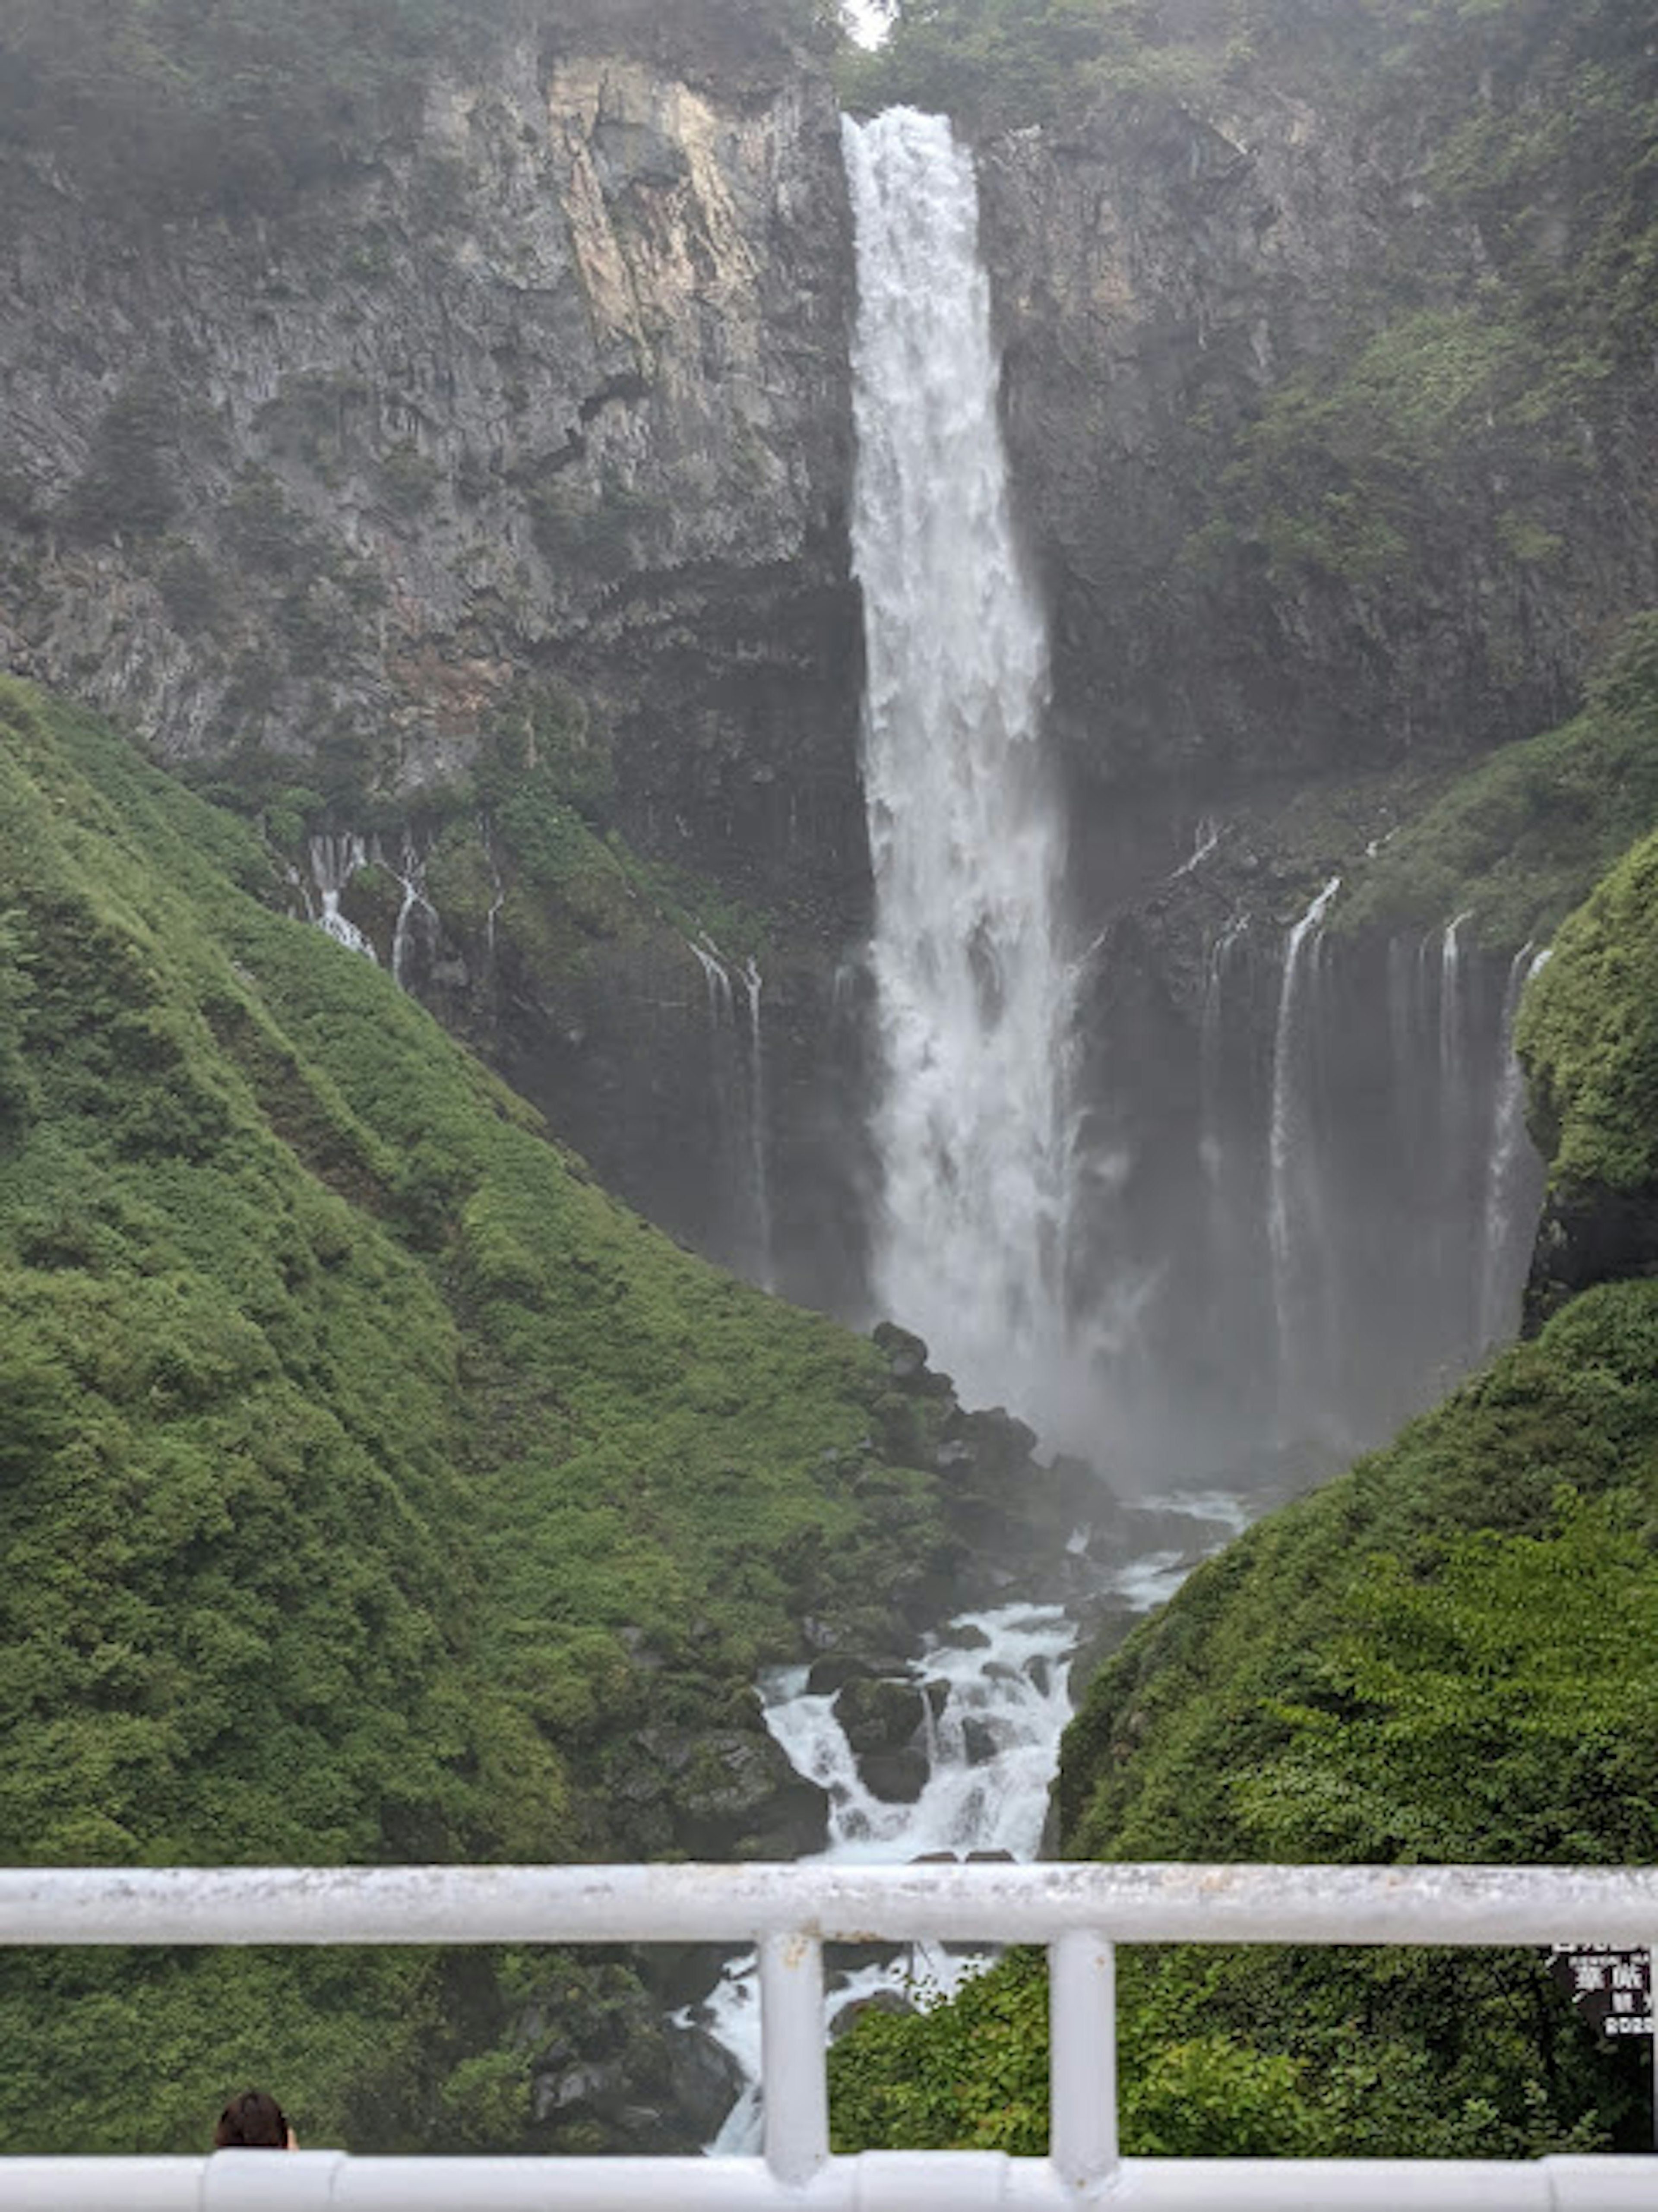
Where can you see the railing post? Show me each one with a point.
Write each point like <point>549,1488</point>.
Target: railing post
<point>793,2082</point>
<point>1081,2012</point>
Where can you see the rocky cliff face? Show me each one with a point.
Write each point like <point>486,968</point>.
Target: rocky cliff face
<point>517,447</point>
<point>488,494</point>
<point>556,385</point>
<point>1311,482</point>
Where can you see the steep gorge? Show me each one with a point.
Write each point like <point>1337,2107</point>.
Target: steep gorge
<point>481,493</point>
<point>470,510</point>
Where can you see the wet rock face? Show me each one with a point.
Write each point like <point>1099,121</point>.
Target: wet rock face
<point>1589,1235</point>
<point>713,1793</point>
<point>556,384</point>
<point>1155,277</point>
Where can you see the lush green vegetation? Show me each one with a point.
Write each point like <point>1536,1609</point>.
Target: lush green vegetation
<point>236,103</point>
<point>1439,1657</point>
<point>1589,1036</point>
<point>1519,840</point>
<point>1004,62</point>
<point>370,1475</point>
<point>1452,407</point>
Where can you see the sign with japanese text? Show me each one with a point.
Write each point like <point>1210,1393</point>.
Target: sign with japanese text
<point>1612,1990</point>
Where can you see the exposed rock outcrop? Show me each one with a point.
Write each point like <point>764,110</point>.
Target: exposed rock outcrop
<point>556,384</point>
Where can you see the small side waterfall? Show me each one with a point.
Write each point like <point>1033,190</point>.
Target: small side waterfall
<point>737,1057</point>
<point>335,859</point>
<point>973,998</point>
<point>1296,1223</point>
<point>759,1167</point>
<point>1514,1181</point>
<point>1361,1152</point>
<point>415,933</point>
<point>337,855</point>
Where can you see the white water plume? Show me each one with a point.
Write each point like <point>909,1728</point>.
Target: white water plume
<point>973,997</point>
<point>996,1685</point>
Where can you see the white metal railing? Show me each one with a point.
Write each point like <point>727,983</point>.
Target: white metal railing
<point>1079,1912</point>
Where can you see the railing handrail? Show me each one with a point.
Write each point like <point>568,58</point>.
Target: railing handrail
<point>974,1903</point>
<point>1079,1912</point>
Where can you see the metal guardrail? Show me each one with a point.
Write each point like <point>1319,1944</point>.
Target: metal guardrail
<point>1079,1912</point>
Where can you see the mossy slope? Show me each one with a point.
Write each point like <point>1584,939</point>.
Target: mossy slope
<point>369,1473</point>
<point>1518,841</point>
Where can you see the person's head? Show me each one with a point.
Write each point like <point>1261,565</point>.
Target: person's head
<point>252,2121</point>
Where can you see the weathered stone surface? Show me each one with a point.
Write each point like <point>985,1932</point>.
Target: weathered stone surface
<point>557,386</point>
<point>1156,273</point>
<point>898,1776</point>
<point>713,1793</point>
<point>879,1716</point>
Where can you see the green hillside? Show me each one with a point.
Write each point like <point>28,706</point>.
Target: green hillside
<point>372,1478</point>
<point>1443,1657</point>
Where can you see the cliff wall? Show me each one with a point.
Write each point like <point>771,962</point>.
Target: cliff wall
<point>550,378</point>
<point>1328,383</point>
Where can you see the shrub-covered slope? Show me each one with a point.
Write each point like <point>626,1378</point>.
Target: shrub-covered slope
<point>1518,841</point>
<point>374,1486</point>
<point>1442,1656</point>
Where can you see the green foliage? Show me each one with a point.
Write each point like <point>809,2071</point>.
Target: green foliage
<point>560,876</point>
<point>1343,471</point>
<point>344,1426</point>
<point>1452,420</point>
<point>181,104</point>
<point>1005,63</point>
<point>1520,839</point>
<point>1589,1035</point>
<point>18,1097</point>
<point>1441,1656</point>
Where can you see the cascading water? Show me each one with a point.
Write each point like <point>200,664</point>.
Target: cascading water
<point>416,928</point>
<point>973,997</point>
<point>973,994</point>
<point>335,859</point>
<point>1513,1176</point>
<point>993,1692</point>
<point>1295,1212</point>
<point>738,1064</point>
<point>759,1170</point>
<point>1360,1133</point>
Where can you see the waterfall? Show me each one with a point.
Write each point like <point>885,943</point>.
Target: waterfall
<point>738,1064</point>
<point>1453,1030</point>
<point>759,1171</point>
<point>973,995</point>
<point>417,918</point>
<point>1212,1061</point>
<point>1513,1171</point>
<point>1293,1228</point>
<point>335,856</point>
<point>335,859</point>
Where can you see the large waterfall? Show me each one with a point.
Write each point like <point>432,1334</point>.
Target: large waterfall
<point>973,995</point>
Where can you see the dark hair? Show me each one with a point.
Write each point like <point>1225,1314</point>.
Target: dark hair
<point>251,2121</point>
